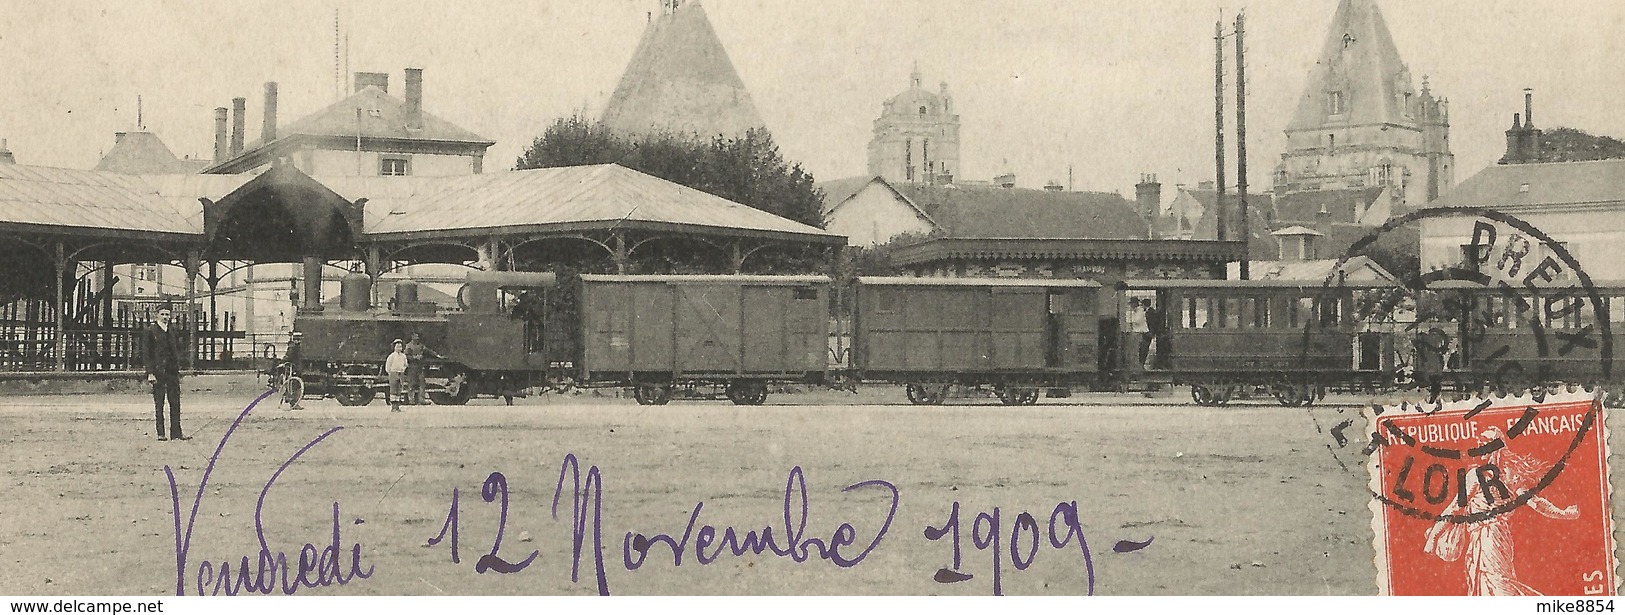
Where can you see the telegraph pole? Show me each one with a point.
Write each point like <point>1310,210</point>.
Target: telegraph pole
<point>1241,142</point>
<point>1218,128</point>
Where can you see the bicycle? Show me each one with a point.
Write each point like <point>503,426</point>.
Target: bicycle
<point>291,387</point>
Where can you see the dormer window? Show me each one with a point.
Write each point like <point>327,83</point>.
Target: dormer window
<point>922,110</point>
<point>1348,40</point>
<point>393,166</point>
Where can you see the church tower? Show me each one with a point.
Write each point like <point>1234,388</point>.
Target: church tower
<point>680,80</point>
<point>916,137</point>
<point>1361,123</point>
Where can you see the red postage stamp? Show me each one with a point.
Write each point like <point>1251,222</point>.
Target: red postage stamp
<point>1499,496</point>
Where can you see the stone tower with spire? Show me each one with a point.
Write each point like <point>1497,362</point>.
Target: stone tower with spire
<point>1361,122</point>
<point>680,80</point>
<point>916,137</point>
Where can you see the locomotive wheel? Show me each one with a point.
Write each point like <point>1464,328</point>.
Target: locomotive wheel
<point>353,396</point>
<point>747,392</point>
<point>1222,395</point>
<point>1029,397</point>
<point>652,394</point>
<point>456,393</point>
<point>1202,395</point>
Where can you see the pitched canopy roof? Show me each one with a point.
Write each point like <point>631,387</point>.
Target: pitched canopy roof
<point>681,80</point>
<point>564,199</point>
<point>560,196</point>
<point>1358,59</point>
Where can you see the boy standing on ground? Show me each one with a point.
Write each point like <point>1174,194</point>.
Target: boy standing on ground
<point>395,368</point>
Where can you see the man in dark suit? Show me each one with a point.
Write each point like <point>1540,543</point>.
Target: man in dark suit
<point>161,350</point>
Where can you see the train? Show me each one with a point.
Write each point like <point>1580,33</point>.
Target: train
<point>1016,339</point>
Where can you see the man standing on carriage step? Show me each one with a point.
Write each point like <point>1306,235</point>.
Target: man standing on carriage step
<point>415,367</point>
<point>161,352</point>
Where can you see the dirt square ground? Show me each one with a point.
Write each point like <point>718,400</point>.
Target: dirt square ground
<point>1239,500</point>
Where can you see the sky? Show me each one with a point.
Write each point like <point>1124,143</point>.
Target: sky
<point>1110,89</point>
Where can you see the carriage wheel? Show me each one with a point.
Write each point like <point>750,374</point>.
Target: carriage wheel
<point>1222,396</point>
<point>652,394</point>
<point>747,392</point>
<point>1029,397</point>
<point>1010,396</point>
<point>1288,395</point>
<point>926,394</point>
<point>1614,398</point>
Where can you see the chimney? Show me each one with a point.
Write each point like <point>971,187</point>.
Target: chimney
<point>1514,153</point>
<point>5,154</point>
<point>239,106</point>
<point>1531,135</point>
<point>381,80</point>
<point>1148,194</point>
<point>414,98</point>
<point>1007,180</point>
<point>1528,107</point>
<point>268,129</point>
<point>118,137</point>
<point>220,138</point>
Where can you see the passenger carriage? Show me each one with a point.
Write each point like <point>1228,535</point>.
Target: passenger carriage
<point>1225,337</point>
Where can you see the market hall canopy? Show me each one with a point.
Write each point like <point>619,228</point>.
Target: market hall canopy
<point>127,217</point>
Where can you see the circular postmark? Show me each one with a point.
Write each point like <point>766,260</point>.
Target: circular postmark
<point>1516,304</point>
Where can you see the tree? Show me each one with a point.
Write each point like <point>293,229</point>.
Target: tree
<point>748,169</point>
<point>1572,145</point>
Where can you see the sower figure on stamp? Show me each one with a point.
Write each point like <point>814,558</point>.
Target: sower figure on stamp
<point>415,367</point>
<point>161,348</point>
<point>1488,549</point>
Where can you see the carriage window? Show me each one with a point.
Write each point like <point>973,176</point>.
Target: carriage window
<point>1187,312</point>
<point>1566,311</point>
<point>806,294</point>
<point>1303,312</point>
<point>1615,306</point>
<point>1057,303</point>
<point>1261,312</point>
<point>1232,312</point>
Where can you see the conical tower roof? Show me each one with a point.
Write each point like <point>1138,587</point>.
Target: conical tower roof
<point>681,80</point>
<point>141,152</point>
<point>1359,64</point>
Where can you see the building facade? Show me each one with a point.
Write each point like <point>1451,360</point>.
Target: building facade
<point>916,137</point>
<point>1362,123</point>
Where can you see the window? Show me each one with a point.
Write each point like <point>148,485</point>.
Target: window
<point>922,110</point>
<point>1348,40</point>
<point>805,294</point>
<point>393,166</point>
<point>1338,107</point>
